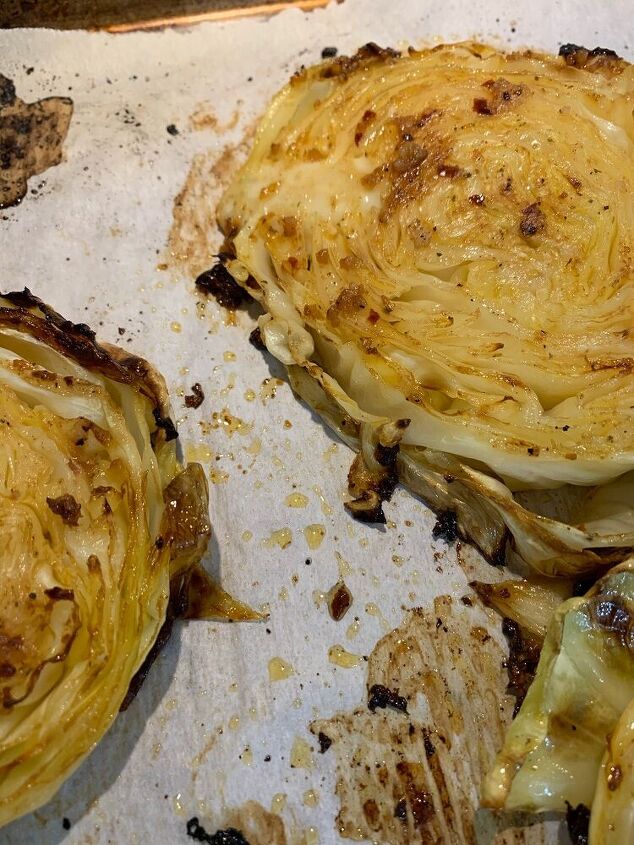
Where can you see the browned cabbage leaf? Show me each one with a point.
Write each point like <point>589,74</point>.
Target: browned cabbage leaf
<point>442,241</point>
<point>101,529</point>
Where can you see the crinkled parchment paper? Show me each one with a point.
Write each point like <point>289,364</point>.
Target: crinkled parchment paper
<point>218,731</point>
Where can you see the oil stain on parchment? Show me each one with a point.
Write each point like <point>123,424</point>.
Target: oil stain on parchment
<point>258,826</point>
<point>194,237</point>
<point>31,139</point>
<point>410,774</point>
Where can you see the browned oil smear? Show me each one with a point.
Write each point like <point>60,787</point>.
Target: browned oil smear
<point>258,826</point>
<point>193,241</point>
<point>413,778</point>
<point>31,139</point>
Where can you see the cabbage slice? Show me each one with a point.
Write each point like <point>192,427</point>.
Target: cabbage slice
<point>553,751</point>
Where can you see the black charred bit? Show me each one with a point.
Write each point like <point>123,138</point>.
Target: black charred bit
<point>255,339</point>
<point>219,283</point>
<point>230,836</point>
<point>176,608</point>
<point>446,527</point>
<point>66,507</point>
<point>329,52</point>
<point>578,823</point>
<point>324,742</point>
<point>166,424</point>
<point>524,653</point>
<point>400,811</point>
<point>196,397</point>
<point>380,696</point>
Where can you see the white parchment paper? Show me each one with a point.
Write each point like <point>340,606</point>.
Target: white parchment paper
<point>90,239</point>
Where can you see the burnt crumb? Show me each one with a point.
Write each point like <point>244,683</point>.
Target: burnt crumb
<point>67,507</point>
<point>59,594</point>
<point>533,220</point>
<point>339,601</point>
<point>219,283</point>
<point>329,52</point>
<point>230,836</point>
<point>476,199</point>
<point>521,666</point>
<point>171,129</point>
<point>267,758</point>
<point>446,527</point>
<point>380,696</point>
<point>597,59</point>
<point>324,742</point>
<point>166,424</point>
<point>196,397</point>
<point>400,810</point>
<point>578,823</point>
<point>66,823</point>
<point>255,339</point>
<point>502,94</point>
<point>468,602</point>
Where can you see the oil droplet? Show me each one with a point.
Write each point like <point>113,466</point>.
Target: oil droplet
<point>234,723</point>
<point>253,713</point>
<point>311,798</point>
<point>279,670</point>
<point>229,355</point>
<point>247,756</point>
<point>283,594</point>
<point>326,509</point>
<point>269,388</point>
<point>231,383</point>
<point>249,395</point>
<point>216,476</point>
<point>247,535</point>
<point>226,421</point>
<point>311,836</point>
<point>314,535</point>
<point>175,326</point>
<point>344,567</point>
<point>233,687</point>
<point>301,754</point>
<point>287,424</point>
<point>338,655</point>
<point>331,451</point>
<point>199,452</point>
<point>319,598</point>
<point>296,500</point>
<point>372,610</point>
<point>156,750</point>
<point>353,628</point>
<point>397,560</point>
<point>184,371</point>
<point>296,703</point>
<point>178,807</point>
<point>277,462</point>
<point>278,802</point>
<point>283,537</point>
<point>255,447</point>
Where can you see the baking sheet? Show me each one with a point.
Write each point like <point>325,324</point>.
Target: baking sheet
<point>91,238</point>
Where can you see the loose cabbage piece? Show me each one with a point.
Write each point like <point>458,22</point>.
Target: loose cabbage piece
<point>445,237</point>
<point>576,713</point>
<point>101,529</point>
<point>612,819</point>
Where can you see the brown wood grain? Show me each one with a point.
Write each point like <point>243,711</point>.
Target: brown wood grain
<point>122,15</point>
